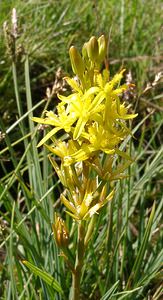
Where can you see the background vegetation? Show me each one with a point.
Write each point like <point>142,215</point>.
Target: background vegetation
<point>125,254</point>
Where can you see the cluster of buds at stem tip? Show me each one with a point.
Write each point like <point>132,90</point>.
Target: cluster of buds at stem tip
<point>93,51</point>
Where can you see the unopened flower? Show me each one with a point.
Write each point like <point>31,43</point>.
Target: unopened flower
<point>76,62</point>
<point>60,232</point>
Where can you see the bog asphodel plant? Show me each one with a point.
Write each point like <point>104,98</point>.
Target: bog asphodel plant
<point>94,119</point>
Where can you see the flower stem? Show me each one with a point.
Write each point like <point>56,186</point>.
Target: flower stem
<point>79,263</point>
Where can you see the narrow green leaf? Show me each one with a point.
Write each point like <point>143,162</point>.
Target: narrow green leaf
<point>11,257</point>
<point>126,293</point>
<point>108,295</point>
<point>44,275</point>
<point>154,167</point>
<point>136,268</point>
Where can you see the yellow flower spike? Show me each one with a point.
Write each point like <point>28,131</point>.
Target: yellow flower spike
<point>76,62</point>
<point>93,49</point>
<point>60,232</point>
<point>94,118</point>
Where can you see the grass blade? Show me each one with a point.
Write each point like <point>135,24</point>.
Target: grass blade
<point>110,292</point>
<point>43,275</point>
<point>136,268</point>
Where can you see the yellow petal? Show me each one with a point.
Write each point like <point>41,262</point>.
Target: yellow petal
<point>97,101</point>
<point>47,121</point>
<point>79,128</point>
<point>48,136</point>
<point>81,154</point>
<point>67,99</point>
<point>73,83</point>
<point>73,216</point>
<point>129,116</point>
<point>109,197</point>
<point>91,91</point>
<point>93,210</point>
<point>68,204</point>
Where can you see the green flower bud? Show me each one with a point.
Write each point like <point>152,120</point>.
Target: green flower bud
<point>84,51</point>
<point>60,232</point>
<point>76,61</point>
<point>93,49</point>
<point>102,47</point>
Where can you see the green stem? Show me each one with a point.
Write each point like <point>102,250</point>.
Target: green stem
<point>79,263</point>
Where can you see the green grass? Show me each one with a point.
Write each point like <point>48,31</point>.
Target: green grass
<point>124,257</point>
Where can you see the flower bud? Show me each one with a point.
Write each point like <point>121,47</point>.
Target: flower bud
<point>76,61</point>
<point>93,49</point>
<point>60,232</point>
<point>102,47</point>
<point>84,51</point>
